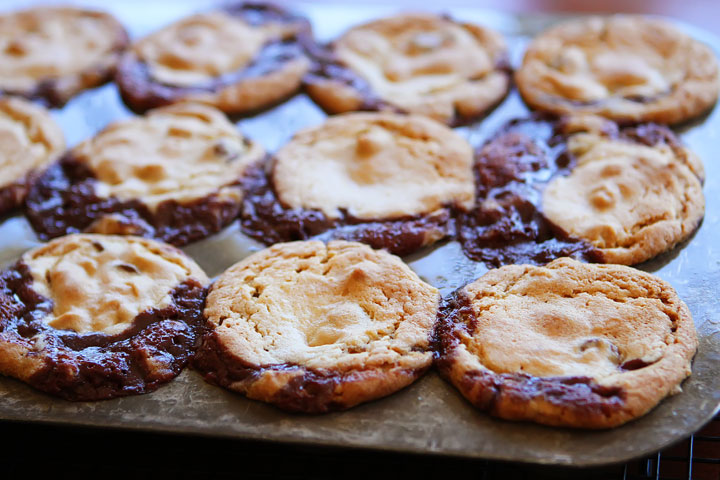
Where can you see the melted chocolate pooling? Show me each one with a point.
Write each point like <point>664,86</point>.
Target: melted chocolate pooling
<point>511,171</point>
<point>309,391</point>
<point>486,389</point>
<point>266,219</point>
<point>63,201</point>
<point>96,366</point>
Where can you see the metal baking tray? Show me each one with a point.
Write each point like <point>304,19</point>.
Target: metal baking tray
<point>430,416</point>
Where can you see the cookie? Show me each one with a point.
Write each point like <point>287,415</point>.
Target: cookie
<point>29,140</point>
<point>581,186</point>
<point>628,68</point>
<point>569,344</point>
<point>52,53</point>
<point>242,58</point>
<point>91,317</point>
<point>385,179</point>
<point>173,175</point>
<point>311,327</point>
<point>425,64</point>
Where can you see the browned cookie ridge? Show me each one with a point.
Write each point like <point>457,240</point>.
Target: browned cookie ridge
<point>311,327</point>
<point>388,180</point>
<point>628,68</point>
<point>425,64</point>
<point>91,317</point>
<point>568,344</point>
<point>51,53</point>
<point>240,58</point>
<point>29,141</point>
<point>584,187</point>
<point>173,175</point>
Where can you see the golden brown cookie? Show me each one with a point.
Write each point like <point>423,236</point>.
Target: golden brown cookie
<point>629,199</point>
<point>312,327</point>
<point>173,174</point>
<point>627,68</point>
<point>51,53</point>
<point>29,140</point>
<point>385,179</point>
<point>241,58</point>
<point>569,344</point>
<point>419,63</point>
<point>581,186</point>
<point>90,317</point>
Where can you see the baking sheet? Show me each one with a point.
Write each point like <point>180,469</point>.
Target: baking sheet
<point>429,416</point>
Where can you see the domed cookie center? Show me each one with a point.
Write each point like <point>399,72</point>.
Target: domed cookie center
<point>405,57</point>
<point>375,167</point>
<point>51,43</point>
<point>101,285</point>
<point>202,47</point>
<point>177,153</point>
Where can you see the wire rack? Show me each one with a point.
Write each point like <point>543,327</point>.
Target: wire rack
<point>696,458</point>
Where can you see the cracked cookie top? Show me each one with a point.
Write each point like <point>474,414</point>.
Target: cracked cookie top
<point>173,174</point>
<point>417,63</point>
<point>343,305</point>
<point>353,321</point>
<point>567,344</point>
<point>101,283</point>
<point>181,152</point>
<point>627,68</point>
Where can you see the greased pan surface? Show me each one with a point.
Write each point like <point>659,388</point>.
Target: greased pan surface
<point>430,416</point>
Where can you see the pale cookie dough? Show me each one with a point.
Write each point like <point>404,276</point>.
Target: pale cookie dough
<point>313,327</point>
<point>173,174</point>
<point>386,179</point>
<point>627,68</point>
<point>424,64</point>
<point>29,140</point>
<point>569,344</point>
<point>373,166</point>
<point>239,59</point>
<point>89,317</point>
<point>52,53</point>
<point>629,199</point>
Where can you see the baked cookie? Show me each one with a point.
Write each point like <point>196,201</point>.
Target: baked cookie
<point>242,58</point>
<point>90,317</point>
<point>29,140</point>
<point>569,344</point>
<point>173,174</point>
<point>581,186</point>
<point>385,179</point>
<point>52,53</point>
<point>312,327</point>
<point>628,68</point>
<point>424,64</point>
